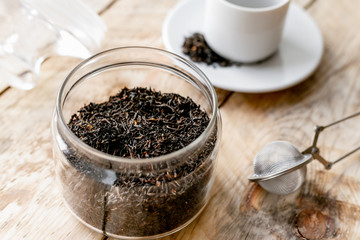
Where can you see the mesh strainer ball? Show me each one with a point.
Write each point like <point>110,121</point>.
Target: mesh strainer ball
<point>280,168</point>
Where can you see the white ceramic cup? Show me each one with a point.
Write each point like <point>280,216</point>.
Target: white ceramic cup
<point>244,30</point>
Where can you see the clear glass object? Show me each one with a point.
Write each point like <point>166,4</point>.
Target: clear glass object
<point>33,30</point>
<point>106,192</point>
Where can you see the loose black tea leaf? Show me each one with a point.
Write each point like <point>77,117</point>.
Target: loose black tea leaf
<point>140,123</point>
<point>139,199</point>
<point>198,50</point>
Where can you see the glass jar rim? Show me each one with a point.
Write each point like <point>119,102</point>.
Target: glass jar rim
<point>109,157</point>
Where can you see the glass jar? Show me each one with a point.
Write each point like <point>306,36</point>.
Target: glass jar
<point>33,30</point>
<point>134,198</point>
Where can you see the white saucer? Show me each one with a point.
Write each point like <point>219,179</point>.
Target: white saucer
<point>298,56</point>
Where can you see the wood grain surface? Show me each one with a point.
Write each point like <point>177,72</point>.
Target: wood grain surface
<point>327,206</point>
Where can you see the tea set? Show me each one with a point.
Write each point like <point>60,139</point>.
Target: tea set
<point>277,42</point>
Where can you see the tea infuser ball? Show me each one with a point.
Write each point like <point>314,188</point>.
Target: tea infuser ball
<point>280,168</point>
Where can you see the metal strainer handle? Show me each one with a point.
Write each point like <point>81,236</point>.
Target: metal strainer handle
<point>315,151</point>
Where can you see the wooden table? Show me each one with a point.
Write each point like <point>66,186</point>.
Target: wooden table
<point>30,203</point>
